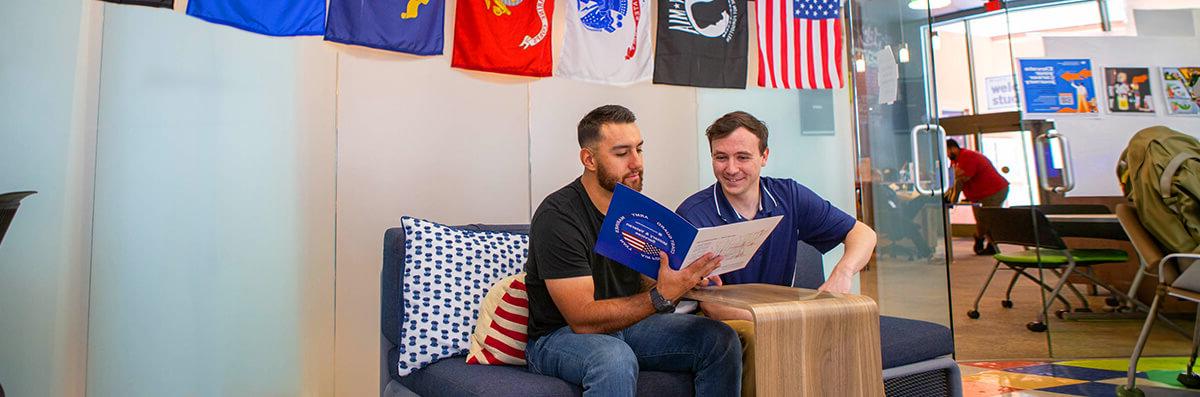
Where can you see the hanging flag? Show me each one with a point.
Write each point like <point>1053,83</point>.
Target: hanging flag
<point>274,18</point>
<point>607,41</point>
<point>701,43</point>
<point>800,44</point>
<point>148,3</point>
<point>504,36</point>
<point>411,26</point>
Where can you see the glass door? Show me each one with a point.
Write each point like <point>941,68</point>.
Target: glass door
<point>902,169</point>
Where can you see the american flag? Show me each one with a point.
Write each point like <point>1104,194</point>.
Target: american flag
<point>639,244</point>
<point>799,44</point>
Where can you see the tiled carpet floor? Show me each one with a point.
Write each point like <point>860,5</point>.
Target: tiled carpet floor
<point>1156,377</point>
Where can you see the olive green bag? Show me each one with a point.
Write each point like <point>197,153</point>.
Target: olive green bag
<point>1160,172</point>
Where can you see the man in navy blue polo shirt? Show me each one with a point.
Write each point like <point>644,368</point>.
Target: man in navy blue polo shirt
<point>738,142</point>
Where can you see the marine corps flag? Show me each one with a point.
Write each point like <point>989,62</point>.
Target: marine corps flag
<point>701,43</point>
<point>149,3</point>
<point>411,26</point>
<point>274,18</point>
<point>504,36</point>
<point>607,41</point>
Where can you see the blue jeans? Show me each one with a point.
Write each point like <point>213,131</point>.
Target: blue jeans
<point>608,364</point>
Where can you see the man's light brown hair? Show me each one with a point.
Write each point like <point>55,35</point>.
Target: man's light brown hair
<point>734,120</point>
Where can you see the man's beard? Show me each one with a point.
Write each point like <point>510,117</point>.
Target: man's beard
<point>609,181</point>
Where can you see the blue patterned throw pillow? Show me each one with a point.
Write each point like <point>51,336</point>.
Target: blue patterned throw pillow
<point>447,272</point>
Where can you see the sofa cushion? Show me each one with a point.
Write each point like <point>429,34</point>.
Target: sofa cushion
<point>503,326</point>
<point>454,377</point>
<point>446,273</point>
<point>904,341</point>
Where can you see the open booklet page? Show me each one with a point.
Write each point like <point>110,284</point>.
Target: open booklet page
<point>736,243</point>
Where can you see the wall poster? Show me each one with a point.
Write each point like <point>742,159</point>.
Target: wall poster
<point>1181,87</point>
<point>1058,86</point>
<point>1128,91</point>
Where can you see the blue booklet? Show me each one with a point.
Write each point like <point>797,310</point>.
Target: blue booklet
<point>637,228</point>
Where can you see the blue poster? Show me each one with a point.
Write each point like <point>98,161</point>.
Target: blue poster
<point>409,26</point>
<point>1058,86</point>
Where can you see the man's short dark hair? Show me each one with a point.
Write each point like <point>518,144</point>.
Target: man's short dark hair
<point>732,121</point>
<point>950,143</point>
<point>589,126</point>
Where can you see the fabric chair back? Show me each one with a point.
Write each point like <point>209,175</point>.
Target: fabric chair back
<point>1144,243</point>
<point>1018,226</point>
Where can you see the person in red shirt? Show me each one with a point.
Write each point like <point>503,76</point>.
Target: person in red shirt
<point>979,182</point>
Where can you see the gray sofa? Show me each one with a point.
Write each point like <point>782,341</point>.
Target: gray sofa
<point>916,354</point>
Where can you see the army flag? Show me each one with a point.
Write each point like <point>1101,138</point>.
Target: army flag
<point>410,26</point>
<point>148,3</point>
<point>800,44</point>
<point>274,18</point>
<point>701,43</point>
<point>607,41</point>
<point>504,36</point>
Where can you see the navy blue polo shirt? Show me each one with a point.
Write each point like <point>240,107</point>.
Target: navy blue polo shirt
<point>806,217</point>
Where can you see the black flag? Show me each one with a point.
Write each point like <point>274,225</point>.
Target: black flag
<point>149,3</point>
<point>702,43</point>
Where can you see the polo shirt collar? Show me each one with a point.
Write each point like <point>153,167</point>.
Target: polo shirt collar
<point>767,203</point>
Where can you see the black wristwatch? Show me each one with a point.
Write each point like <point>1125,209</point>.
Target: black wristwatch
<point>661,304</point>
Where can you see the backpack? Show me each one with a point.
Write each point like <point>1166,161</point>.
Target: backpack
<point>1160,172</point>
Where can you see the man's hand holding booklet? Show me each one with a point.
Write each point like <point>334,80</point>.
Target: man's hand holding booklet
<point>636,229</point>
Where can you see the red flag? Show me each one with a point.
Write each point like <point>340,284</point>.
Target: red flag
<point>800,44</point>
<point>504,36</point>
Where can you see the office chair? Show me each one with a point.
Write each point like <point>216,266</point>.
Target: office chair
<point>8,209</point>
<point>1043,250</point>
<point>1168,269</point>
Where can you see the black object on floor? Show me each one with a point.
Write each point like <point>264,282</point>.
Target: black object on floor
<point>8,210</point>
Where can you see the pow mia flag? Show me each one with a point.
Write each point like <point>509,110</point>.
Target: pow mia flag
<point>148,3</point>
<point>701,43</point>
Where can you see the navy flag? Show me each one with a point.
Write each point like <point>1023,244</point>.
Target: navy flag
<point>148,3</point>
<point>702,43</point>
<point>273,18</point>
<point>410,26</point>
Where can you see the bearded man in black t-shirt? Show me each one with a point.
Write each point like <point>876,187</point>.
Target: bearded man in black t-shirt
<point>595,322</point>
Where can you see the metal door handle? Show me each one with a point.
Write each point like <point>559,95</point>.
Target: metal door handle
<point>916,154</point>
<point>1044,168</point>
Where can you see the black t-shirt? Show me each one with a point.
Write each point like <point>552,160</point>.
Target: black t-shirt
<point>562,242</point>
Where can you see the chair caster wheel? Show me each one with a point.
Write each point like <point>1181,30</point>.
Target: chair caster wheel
<point>1135,392</point>
<point>1006,303</point>
<point>1191,381</point>
<point>1060,313</point>
<point>1082,310</point>
<point>1036,326</point>
<point>974,314</point>
<point>1112,301</point>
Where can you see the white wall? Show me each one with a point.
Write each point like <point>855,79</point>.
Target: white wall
<point>1096,143</point>
<point>47,119</point>
<point>212,268</point>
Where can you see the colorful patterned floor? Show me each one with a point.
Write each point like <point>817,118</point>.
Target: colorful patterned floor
<point>1156,376</point>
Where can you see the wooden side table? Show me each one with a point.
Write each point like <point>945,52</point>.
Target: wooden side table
<point>808,343</point>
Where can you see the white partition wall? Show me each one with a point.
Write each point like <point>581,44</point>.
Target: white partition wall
<point>420,139</point>
<point>47,63</point>
<point>212,269</point>
<point>666,116</point>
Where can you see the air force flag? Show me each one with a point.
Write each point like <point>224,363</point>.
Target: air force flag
<point>269,17</point>
<point>607,41</point>
<point>411,26</point>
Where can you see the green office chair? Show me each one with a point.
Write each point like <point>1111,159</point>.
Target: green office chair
<point>1044,249</point>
